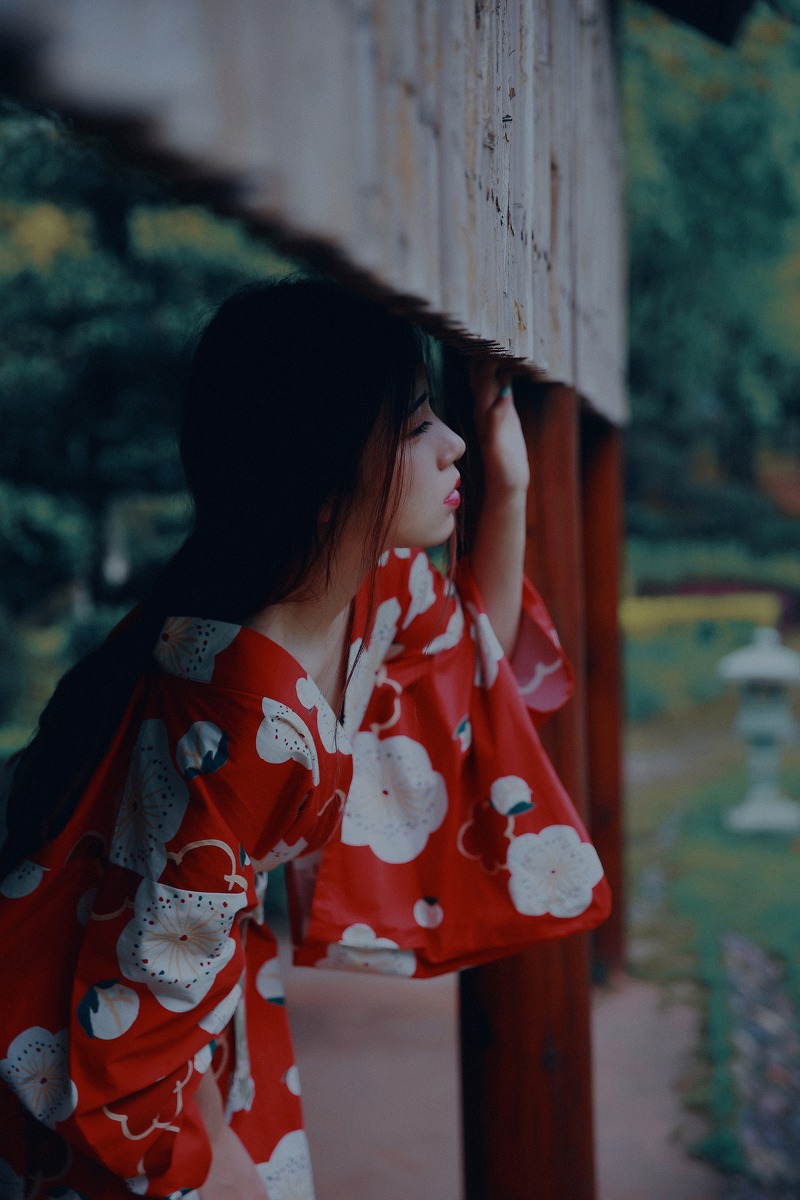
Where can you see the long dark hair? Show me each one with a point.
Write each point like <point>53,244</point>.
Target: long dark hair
<point>288,382</point>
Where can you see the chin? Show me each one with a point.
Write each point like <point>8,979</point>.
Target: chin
<point>433,535</point>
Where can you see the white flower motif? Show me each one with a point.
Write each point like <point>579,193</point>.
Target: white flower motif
<point>284,735</point>
<point>488,650</point>
<point>363,665</point>
<point>396,799</point>
<point>281,852</point>
<point>188,648</point>
<point>312,698</point>
<point>292,1081</point>
<point>215,1021</point>
<point>552,872</point>
<point>178,942</point>
<point>23,880</point>
<point>11,1184</point>
<point>541,671</point>
<point>202,750</point>
<point>420,586</point>
<point>541,676</point>
<point>398,552</point>
<point>510,796</point>
<point>451,636</point>
<point>463,733</point>
<point>287,1175</point>
<point>203,1057</point>
<point>154,800</point>
<point>269,983</point>
<point>428,912</point>
<point>108,1010</point>
<point>361,950</point>
<point>36,1070</point>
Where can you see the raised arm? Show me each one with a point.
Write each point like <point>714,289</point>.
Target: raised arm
<point>499,548</point>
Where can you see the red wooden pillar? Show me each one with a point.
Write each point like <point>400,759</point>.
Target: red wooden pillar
<point>525,1030</point>
<point>602,542</point>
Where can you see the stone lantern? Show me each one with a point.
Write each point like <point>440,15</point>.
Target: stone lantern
<point>764,671</point>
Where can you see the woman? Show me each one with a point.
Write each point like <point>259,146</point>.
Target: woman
<point>289,659</point>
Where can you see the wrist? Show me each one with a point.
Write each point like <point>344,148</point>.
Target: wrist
<point>505,498</point>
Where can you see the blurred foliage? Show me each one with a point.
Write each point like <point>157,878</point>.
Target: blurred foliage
<point>43,544</point>
<point>673,563</point>
<point>672,667</point>
<point>720,881</point>
<point>646,614</point>
<point>11,667</point>
<point>714,215</point>
<point>105,279</point>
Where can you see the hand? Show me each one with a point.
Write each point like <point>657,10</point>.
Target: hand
<point>503,450</point>
<point>233,1175</point>
<point>498,550</point>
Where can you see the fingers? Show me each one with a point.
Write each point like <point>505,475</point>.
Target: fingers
<point>491,386</point>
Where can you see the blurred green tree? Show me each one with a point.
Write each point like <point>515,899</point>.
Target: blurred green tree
<point>713,201</point>
<point>104,281</point>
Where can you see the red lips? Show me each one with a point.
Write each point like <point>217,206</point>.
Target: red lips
<point>454,499</point>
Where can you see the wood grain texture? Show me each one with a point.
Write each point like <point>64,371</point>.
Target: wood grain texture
<point>459,157</point>
<point>526,1045</point>
<point>601,470</point>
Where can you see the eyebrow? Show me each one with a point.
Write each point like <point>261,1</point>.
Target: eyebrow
<point>418,403</point>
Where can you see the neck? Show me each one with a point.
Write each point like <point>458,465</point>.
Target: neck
<point>313,624</point>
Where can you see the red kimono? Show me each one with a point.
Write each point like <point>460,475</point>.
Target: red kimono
<point>138,932</point>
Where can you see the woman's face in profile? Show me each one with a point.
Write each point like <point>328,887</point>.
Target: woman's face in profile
<point>427,477</point>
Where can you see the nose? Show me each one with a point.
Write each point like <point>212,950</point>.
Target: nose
<point>453,446</point>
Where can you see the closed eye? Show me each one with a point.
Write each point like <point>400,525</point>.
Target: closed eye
<point>420,429</point>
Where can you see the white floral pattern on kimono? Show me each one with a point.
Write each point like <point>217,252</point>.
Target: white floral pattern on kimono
<point>552,872</point>
<point>488,650</point>
<point>139,928</point>
<point>284,735</point>
<point>37,1070</point>
<point>287,1175</point>
<point>22,881</point>
<point>201,750</point>
<point>108,1010</point>
<point>421,588</point>
<point>177,942</point>
<point>189,648</point>
<point>153,804</point>
<point>361,950</point>
<point>396,800</point>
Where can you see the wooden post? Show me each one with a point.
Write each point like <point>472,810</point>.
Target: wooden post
<point>525,1030</point>
<point>602,541</point>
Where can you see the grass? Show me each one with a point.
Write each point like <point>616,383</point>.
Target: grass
<point>691,880</point>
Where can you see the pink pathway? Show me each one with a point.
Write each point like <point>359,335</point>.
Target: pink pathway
<point>378,1061</point>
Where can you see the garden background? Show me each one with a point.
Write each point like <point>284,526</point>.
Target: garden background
<point>105,279</point>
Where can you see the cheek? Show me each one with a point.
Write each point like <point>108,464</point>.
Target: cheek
<point>402,486</point>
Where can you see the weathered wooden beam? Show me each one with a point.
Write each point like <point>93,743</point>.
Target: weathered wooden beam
<point>602,540</point>
<point>458,159</point>
<point>525,1028</point>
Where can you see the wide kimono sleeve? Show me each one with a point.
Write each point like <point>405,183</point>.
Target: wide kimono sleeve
<point>215,781</point>
<point>458,843</point>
